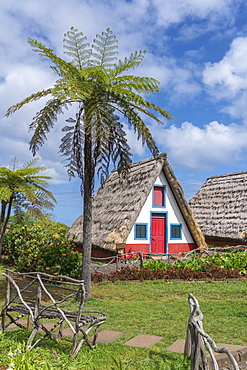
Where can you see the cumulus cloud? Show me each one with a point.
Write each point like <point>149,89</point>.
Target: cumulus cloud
<point>138,24</point>
<point>226,80</point>
<point>228,77</point>
<point>175,11</point>
<point>203,148</point>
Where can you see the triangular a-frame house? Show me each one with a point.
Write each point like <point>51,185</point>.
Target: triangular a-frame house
<point>145,211</point>
<point>220,207</point>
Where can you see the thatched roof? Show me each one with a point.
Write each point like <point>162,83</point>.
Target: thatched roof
<point>119,201</point>
<point>220,206</point>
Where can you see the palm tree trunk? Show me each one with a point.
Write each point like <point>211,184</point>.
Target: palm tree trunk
<point>4,220</point>
<point>87,214</point>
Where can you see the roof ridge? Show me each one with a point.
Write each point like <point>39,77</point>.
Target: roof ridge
<point>136,164</point>
<point>227,174</point>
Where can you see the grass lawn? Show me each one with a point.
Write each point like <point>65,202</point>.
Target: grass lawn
<point>156,308</point>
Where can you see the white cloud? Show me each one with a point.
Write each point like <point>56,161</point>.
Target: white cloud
<point>177,77</point>
<point>136,24</point>
<point>229,76</point>
<point>175,11</point>
<point>227,79</point>
<point>202,149</point>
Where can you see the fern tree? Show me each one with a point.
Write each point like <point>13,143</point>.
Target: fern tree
<point>104,94</point>
<point>23,190</point>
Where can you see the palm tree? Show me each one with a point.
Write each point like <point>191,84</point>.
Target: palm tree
<point>104,94</point>
<point>23,189</point>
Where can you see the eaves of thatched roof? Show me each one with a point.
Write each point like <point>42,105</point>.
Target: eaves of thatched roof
<point>220,206</point>
<point>120,199</point>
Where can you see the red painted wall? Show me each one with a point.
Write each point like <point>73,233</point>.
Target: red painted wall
<point>174,248</point>
<point>144,248</point>
<point>180,247</point>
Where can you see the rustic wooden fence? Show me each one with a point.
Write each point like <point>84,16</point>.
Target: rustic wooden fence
<point>198,342</point>
<point>138,258</point>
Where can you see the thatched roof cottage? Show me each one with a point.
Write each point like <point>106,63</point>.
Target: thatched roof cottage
<point>220,208</point>
<point>145,212</point>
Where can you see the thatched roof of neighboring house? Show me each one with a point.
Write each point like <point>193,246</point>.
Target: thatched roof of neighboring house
<point>119,201</point>
<point>220,206</point>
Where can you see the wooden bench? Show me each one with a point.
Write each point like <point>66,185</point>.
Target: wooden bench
<point>43,297</point>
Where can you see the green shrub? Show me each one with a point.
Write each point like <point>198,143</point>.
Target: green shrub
<point>229,261</point>
<point>156,265</point>
<point>38,248</point>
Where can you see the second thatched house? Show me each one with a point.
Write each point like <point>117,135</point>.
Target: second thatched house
<point>220,208</point>
<point>143,212</point>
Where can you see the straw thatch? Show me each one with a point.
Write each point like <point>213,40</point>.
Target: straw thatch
<point>120,199</point>
<point>220,207</point>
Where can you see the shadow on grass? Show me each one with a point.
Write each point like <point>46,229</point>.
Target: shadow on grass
<point>172,361</point>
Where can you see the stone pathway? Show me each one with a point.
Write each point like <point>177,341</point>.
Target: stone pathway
<point>108,336</point>
<point>147,341</point>
<point>239,353</point>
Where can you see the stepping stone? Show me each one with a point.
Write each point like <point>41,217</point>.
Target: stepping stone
<point>67,332</point>
<point>108,336</point>
<point>177,346</point>
<point>48,325</point>
<point>231,347</point>
<point>20,321</point>
<point>104,336</point>
<point>144,341</point>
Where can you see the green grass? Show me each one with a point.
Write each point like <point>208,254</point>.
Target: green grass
<point>156,308</point>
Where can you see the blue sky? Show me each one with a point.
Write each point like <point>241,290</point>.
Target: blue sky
<point>197,49</point>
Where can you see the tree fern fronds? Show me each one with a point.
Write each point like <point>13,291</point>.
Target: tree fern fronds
<point>105,46</point>
<point>133,61</point>
<point>72,146</point>
<point>29,99</point>
<point>63,66</point>
<point>134,120</point>
<point>138,102</point>
<point>140,84</point>
<point>76,47</point>
<point>30,163</point>
<point>155,108</point>
<point>14,164</point>
<point>43,122</point>
<point>43,196</point>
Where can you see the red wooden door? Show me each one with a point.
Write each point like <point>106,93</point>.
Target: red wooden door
<point>158,234</point>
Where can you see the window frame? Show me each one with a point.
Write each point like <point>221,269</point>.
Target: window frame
<point>146,228</point>
<point>164,195</point>
<point>180,231</point>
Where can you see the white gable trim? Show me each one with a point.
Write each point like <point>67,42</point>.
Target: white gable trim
<point>173,216</point>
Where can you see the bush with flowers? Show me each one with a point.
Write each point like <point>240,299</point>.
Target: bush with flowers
<point>42,248</point>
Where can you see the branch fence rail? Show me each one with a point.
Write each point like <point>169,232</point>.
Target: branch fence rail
<point>138,258</point>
